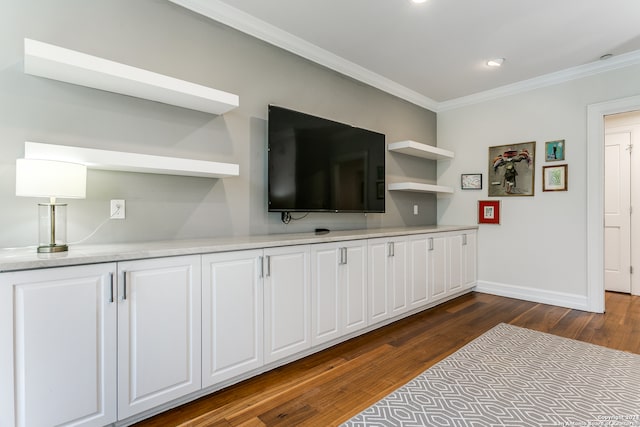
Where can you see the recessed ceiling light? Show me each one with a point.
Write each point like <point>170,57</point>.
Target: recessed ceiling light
<point>418,1</point>
<point>496,62</point>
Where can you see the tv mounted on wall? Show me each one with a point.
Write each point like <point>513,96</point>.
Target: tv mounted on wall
<point>319,165</point>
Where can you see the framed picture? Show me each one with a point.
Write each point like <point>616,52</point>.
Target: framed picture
<point>554,150</point>
<point>488,211</point>
<point>554,178</point>
<point>471,181</point>
<point>511,169</point>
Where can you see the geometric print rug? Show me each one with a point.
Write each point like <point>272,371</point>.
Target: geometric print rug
<point>512,376</point>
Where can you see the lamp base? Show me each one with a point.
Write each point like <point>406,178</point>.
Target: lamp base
<point>52,249</point>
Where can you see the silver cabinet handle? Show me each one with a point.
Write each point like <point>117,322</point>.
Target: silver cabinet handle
<point>124,286</point>
<point>261,261</point>
<point>430,243</point>
<point>111,287</point>
<point>464,240</point>
<point>268,266</point>
<point>392,249</point>
<point>343,256</point>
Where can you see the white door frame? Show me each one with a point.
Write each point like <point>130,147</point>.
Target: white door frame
<point>595,194</point>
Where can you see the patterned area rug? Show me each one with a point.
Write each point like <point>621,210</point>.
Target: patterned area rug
<point>512,376</point>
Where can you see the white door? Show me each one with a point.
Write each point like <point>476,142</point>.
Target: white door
<point>398,285</point>
<point>455,245</point>
<point>326,261</point>
<point>339,289</point>
<point>232,308</point>
<point>64,344</point>
<point>617,216</point>
<point>159,354</point>
<point>470,261</point>
<point>353,283</point>
<point>437,267</point>
<point>377,276</point>
<point>418,271</point>
<point>287,302</point>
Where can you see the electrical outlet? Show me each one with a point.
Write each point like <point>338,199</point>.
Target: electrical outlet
<point>415,209</point>
<point>117,209</point>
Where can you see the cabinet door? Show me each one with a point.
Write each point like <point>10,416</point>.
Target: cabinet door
<point>456,260</point>
<point>437,267</point>
<point>398,284</point>
<point>286,302</point>
<point>470,273</point>
<point>159,322</point>
<point>353,286</point>
<point>326,296</point>
<point>378,277</point>
<point>232,302</point>
<point>339,289</point>
<point>63,340</point>
<point>418,271</point>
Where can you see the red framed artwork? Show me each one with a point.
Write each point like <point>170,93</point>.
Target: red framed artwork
<point>488,211</point>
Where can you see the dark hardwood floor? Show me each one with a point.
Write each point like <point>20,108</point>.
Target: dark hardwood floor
<point>330,387</point>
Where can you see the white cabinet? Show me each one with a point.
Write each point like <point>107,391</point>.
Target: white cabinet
<point>462,261</point>
<point>387,276</point>
<point>470,259</point>
<point>455,258</point>
<point>256,309</point>
<point>377,277</point>
<point>418,271</point>
<point>437,266</point>
<point>398,276</point>
<point>452,263</point>
<point>232,315</point>
<point>339,289</point>
<point>287,313</point>
<point>159,352</point>
<point>60,327</point>
<point>92,345</point>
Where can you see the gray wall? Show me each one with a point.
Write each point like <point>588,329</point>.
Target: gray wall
<point>167,39</point>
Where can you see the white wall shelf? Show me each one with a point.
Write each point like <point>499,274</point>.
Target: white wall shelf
<point>53,62</point>
<point>418,187</point>
<point>130,162</point>
<point>418,149</point>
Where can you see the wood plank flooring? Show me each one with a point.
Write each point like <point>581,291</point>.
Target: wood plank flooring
<point>328,388</point>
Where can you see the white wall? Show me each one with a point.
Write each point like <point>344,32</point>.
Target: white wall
<point>539,251</point>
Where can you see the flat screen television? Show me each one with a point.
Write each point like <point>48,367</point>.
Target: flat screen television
<point>319,165</point>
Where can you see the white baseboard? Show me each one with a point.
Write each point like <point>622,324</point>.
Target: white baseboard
<point>561,299</point>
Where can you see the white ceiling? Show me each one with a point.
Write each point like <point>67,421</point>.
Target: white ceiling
<point>434,54</point>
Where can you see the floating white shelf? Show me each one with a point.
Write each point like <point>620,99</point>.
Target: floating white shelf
<point>418,187</point>
<point>53,62</point>
<point>130,162</point>
<point>418,149</point>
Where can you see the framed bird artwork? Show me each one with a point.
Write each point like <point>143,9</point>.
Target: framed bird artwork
<point>511,170</point>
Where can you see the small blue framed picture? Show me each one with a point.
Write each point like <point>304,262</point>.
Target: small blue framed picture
<point>554,150</point>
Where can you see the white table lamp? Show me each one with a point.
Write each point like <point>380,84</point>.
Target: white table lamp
<point>52,179</point>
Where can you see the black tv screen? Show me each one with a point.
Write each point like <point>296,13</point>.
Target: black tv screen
<point>319,165</point>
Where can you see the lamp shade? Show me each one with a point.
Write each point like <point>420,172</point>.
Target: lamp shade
<point>49,178</point>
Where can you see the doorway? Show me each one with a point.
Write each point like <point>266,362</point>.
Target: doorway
<point>596,114</point>
<point>622,134</point>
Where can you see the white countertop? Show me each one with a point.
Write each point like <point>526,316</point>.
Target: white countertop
<point>27,258</point>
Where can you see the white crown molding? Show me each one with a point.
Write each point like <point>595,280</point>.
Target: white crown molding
<point>620,61</point>
<point>241,21</point>
<point>221,12</point>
